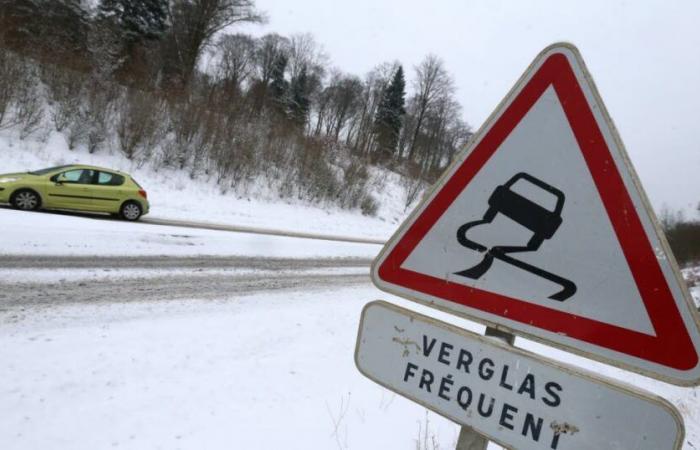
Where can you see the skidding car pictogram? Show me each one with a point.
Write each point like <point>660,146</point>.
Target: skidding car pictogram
<point>542,222</point>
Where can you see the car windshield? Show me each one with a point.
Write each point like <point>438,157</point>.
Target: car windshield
<point>49,170</point>
<point>535,194</point>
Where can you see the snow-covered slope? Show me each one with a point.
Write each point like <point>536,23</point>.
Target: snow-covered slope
<point>174,195</point>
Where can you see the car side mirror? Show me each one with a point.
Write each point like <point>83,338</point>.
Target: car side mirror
<point>56,180</point>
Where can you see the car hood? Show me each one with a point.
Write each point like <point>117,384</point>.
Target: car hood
<point>15,175</point>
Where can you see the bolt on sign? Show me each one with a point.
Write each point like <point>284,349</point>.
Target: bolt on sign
<point>513,397</point>
<point>540,227</point>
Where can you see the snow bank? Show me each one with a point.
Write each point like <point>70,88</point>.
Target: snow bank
<point>255,372</point>
<point>265,372</point>
<point>173,195</point>
<point>43,233</point>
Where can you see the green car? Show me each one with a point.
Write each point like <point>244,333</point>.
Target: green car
<point>75,187</point>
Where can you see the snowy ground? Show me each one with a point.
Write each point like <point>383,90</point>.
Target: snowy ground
<point>48,233</point>
<point>692,278</point>
<point>261,372</point>
<point>173,195</point>
<point>48,276</point>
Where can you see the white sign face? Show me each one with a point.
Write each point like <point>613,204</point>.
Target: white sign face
<point>513,397</point>
<point>540,227</point>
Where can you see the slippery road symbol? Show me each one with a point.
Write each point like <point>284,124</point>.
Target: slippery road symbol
<point>542,222</point>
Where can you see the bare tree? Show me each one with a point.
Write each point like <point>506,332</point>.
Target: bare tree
<point>64,94</point>
<point>236,65</point>
<point>50,31</point>
<point>269,48</point>
<point>137,123</point>
<point>29,107</point>
<point>439,119</point>
<point>337,103</point>
<point>305,54</point>
<point>432,82</point>
<point>361,135</point>
<point>11,76</point>
<point>194,25</point>
<point>306,68</point>
<point>99,105</point>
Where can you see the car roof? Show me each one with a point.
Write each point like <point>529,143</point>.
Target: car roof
<point>85,166</point>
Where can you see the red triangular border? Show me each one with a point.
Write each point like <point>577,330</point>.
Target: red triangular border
<point>672,345</point>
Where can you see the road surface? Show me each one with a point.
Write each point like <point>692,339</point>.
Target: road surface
<point>152,278</point>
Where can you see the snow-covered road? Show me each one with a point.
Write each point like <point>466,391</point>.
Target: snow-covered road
<point>29,283</point>
<point>119,335</point>
<point>260,370</point>
<point>265,371</point>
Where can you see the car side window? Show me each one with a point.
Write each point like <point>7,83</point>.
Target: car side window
<point>109,179</point>
<point>79,176</point>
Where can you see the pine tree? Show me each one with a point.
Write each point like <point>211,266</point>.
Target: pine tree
<point>138,19</point>
<point>279,87</point>
<point>389,116</point>
<point>299,99</point>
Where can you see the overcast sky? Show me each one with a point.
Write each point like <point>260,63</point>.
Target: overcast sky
<point>644,57</point>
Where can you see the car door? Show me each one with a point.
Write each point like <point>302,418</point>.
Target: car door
<point>107,191</point>
<point>71,189</point>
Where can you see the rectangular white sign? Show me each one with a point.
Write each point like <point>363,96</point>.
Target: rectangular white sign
<point>511,396</point>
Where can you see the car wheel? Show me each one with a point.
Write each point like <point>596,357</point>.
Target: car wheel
<point>131,211</point>
<point>26,200</point>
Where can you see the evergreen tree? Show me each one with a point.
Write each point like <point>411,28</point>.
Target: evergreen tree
<point>299,98</point>
<point>389,116</point>
<point>279,87</point>
<point>138,20</point>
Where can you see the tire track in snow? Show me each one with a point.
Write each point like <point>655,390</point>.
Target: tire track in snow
<point>261,274</point>
<point>174,262</point>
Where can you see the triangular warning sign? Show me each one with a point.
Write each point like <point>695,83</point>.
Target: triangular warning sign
<point>541,227</point>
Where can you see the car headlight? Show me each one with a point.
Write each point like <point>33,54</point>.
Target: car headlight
<point>8,179</point>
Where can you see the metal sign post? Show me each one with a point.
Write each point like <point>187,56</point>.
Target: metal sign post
<point>468,438</point>
<point>471,440</point>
